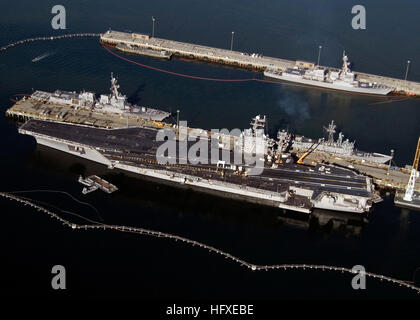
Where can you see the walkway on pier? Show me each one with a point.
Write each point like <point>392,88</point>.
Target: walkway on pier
<point>206,53</point>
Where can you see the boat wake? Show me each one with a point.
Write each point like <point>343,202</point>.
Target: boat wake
<point>43,56</point>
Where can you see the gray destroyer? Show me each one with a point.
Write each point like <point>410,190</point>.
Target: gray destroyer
<point>343,79</point>
<point>114,102</point>
<point>340,147</point>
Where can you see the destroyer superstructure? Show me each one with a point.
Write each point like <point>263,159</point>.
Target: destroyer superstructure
<point>343,79</point>
<point>339,147</point>
<point>113,103</point>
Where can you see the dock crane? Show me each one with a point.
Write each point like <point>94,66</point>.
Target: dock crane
<point>412,180</point>
<point>308,152</point>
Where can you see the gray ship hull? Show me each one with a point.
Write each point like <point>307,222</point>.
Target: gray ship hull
<point>288,188</point>
<point>338,152</point>
<point>188,181</point>
<point>332,86</point>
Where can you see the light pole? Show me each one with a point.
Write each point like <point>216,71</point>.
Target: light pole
<point>177,122</point>
<point>406,70</point>
<point>153,27</point>
<point>177,118</point>
<point>231,41</point>
<point>319,54</point>
<point>390,161</point>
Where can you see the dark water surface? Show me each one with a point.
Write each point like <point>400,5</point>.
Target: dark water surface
<point>115,265</point>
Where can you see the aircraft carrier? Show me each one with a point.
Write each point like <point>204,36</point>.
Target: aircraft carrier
<point>281,184</point>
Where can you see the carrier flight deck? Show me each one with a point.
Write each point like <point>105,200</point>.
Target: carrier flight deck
<point>288,186</point>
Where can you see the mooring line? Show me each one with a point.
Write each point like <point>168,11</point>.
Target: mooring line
<point>177,73</point>
<point>59,191</point>
<point>59,209</point>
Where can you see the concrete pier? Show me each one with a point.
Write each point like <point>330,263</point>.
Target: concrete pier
<point>234,58</point>
<point>193,51</point>
<point>29,108</point>
<point>397,178</point>
<point>413,204</point>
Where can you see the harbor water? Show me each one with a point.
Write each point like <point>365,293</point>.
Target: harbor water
<point>108,264</point>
